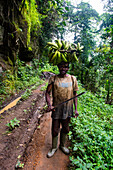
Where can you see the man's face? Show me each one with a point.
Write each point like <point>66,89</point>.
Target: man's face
<point>63,68</point>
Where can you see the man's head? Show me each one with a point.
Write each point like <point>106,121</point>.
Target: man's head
<point>63,68</point>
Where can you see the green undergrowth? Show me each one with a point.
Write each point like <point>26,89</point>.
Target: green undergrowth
<point>28,92</point>
<point>91,134</point>
<point>17,85</point>
<point>23,77</point>
<point>13,123</point>
<point>18,78</point>
<point>48,68</point>
<point>43,88</point>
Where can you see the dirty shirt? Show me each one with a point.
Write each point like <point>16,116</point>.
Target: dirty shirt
<point>62,89</point>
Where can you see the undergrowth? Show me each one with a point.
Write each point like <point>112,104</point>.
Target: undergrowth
<point>22,76</point>
<point>91,135</point>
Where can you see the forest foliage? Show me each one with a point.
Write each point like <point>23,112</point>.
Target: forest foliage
<point>49,20</point>
<point>44,21</point>
<point>91,138</point>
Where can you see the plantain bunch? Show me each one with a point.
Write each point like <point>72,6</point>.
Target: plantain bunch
<point>63,51</point>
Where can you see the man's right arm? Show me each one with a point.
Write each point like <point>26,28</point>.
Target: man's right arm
<point>48,98</point>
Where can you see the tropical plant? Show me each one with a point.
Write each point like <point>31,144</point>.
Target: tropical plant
<point>83,21</point>
<point>13,123</point>
<point>104,56</point>
<point>91,134</point>
<point>19,164</point>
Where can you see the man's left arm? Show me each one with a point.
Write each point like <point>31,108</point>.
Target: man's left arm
<point>75,103</point>
<point>75,89</point>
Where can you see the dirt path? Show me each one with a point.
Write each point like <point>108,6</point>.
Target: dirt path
<point>31,140</point>
<point>39,147</point>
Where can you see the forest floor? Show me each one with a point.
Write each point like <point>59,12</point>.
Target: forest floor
<point>29,143</point>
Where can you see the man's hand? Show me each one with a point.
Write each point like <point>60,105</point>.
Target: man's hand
<point>76,114</point>
<point>50,108</point>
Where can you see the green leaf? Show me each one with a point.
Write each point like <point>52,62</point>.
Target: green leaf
<point>75,148</point>
<point>53,2</point>
<point>67,8</point>
<point>64,23</point>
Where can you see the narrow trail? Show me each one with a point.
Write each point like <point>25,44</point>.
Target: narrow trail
<point>30,141</point>
<point>39,147</point>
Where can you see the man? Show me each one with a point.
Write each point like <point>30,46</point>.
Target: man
<point>63,87</point>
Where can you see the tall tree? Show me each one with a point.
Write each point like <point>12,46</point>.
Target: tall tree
<point>84,23</point>
<point>105,55</point>
<point>53,19</point>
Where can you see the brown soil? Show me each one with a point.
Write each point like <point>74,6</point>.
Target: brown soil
<point>31,140</point>
<point>39,147</point>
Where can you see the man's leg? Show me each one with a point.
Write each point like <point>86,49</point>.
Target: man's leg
<point>55,131</point>
<point>63,135</point>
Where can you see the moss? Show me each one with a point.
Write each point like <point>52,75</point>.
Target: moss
<point>32,17</point>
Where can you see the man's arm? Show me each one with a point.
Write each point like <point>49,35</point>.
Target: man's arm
<point>75,103</point>
<point>48,98</point>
